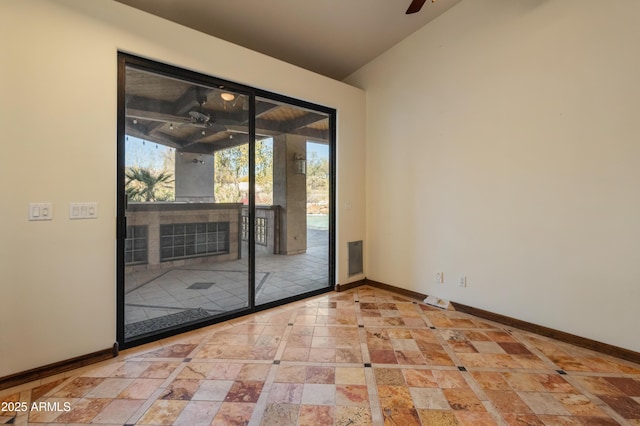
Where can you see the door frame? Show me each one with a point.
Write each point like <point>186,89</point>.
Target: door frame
<point>124,60</point>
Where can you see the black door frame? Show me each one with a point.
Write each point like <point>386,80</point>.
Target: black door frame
<point>125,60</point>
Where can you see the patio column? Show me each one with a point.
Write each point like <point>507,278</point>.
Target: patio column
<point>290,193</point>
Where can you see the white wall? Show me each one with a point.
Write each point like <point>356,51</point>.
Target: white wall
<point>503,143</point>
<point>58,119</point>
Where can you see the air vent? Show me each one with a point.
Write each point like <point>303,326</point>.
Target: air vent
<point>355,258</point>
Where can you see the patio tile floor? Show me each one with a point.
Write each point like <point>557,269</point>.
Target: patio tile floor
<point>159,294</point>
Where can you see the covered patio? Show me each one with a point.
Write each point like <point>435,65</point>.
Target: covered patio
<point>163,298</point>
<point>187,248</point>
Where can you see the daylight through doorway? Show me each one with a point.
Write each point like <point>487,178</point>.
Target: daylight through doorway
<point>225,200</point>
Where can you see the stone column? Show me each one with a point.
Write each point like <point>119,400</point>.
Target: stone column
<point>290,193</point>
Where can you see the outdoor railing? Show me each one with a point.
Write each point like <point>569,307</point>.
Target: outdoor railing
<point>267,228</point>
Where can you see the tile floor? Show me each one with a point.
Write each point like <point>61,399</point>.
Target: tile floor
<point>360,357</point>
<point>219,287</point>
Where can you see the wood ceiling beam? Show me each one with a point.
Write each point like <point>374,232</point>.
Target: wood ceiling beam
<point>156,138</point>
<point>263,107</point>
<point>189,99</point>
<point>152,114</point>
<point>156,110</point>
<point>212,148</point>
<point>183,105</point>
<point>303,121</point>
<point>315,134</point>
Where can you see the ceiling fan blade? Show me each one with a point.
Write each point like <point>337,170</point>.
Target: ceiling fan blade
<point>415,6</point>
<point>139,114</point>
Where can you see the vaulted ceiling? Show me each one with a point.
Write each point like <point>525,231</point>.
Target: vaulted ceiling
<point>330,37</point>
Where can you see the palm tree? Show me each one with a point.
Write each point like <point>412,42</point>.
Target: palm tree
<point>145,185</point>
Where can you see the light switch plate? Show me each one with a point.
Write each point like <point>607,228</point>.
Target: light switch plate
<point>83,210</point>
<point>40,211</point>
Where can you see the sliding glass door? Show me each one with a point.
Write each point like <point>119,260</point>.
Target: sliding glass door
<point>225,200</point>
<point>292,200</point>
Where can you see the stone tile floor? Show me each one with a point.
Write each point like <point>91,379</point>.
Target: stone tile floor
<point>224,285</point>
<point>361,357</point>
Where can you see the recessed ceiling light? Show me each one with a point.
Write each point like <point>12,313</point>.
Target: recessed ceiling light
<point>227,96</point>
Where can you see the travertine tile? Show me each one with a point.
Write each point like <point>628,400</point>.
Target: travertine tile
<point>140,389</point>
<point>430,398</point>
<point>310,363</point>
<point>280,414</point>
<point>350,376</point>
<point>318,394</point>
<point>163,412</point>
<point>212,390</point>
<point>357,395</point>
<point>317,374</point>
<point>109,388</point>
<point>286,393</point>
<point>198,413</point>
<point>117,411</point>
<point>317,414</point>
<point>353,416</point>
<point>543,403</point>
<point>233,414</point>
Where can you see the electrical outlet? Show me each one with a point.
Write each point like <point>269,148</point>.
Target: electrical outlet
<point>439,278</point>
<point>462,282</point>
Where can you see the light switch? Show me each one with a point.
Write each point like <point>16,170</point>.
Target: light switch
<point>40,211</point>
<point>92,210</point>
<point>83,210</point>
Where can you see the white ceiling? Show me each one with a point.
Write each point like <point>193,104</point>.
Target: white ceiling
<point>330,37</point>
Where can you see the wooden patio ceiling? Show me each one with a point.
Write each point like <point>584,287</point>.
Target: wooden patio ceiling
<point>195,118</point>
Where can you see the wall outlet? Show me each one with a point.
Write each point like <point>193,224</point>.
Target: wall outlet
<point>439,278</point>
<point>462,282</point>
